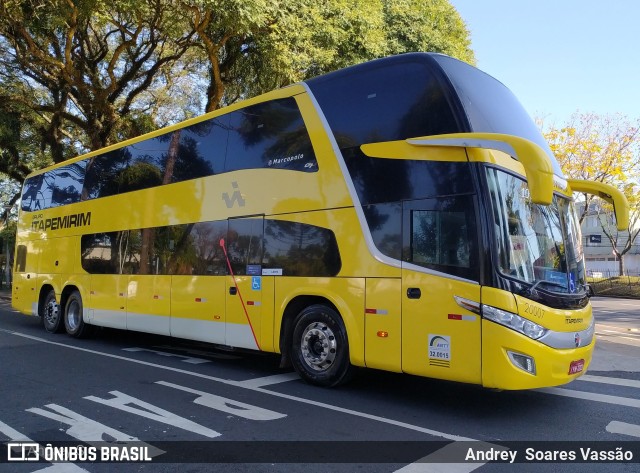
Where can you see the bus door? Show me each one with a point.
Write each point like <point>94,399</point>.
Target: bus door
<point>149,291</point>
<point>24,294</point>
<point>440,338</point>
<point>108,300</point>
<point>115,254</point>
<point>199,281</point>
<point>244,289</point>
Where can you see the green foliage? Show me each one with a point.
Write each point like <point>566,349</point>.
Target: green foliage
<point>426,25</point>
<point>8,232</point>
<point>310,38</point>
<point>605,149</point>
<point>78,75</point>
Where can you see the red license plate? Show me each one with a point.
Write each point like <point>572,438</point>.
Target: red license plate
<point>576,366</point>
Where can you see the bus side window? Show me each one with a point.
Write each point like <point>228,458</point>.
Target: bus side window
<point>21,258</point>
<point>385,224</point>
<point>194,249</point>
<point>111,253</point>
<point>269,135</point>
<point>67,183</point>
<point>244,243</point>
<point>202,149</point>
<point>33,193</point>
<point>440,234</point>
<point>300,249</point>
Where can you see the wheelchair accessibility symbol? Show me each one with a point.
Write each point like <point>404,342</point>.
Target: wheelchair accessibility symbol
<point>256,283</point>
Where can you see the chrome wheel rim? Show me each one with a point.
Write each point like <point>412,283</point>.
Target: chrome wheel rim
<point>52,313</point>
<point>319,346</point>
<point>73,315</point>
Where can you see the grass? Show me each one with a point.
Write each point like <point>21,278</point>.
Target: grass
<point>619,286</point>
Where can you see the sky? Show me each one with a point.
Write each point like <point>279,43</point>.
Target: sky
<point>560,56</point>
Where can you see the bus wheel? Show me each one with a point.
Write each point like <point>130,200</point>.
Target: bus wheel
<point>73,322</point>
<point>51,313</point>
<point>320,350</point>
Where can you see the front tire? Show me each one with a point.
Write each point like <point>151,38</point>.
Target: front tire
<point>73,317</point>
<point>51,313</point>
<point>320,349</point>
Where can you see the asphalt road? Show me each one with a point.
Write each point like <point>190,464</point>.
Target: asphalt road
<point>618,332</point>
<point>214,410</point>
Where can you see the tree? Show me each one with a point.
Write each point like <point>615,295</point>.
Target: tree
<point>596,148</point>
<point>604,149</point>
<point>251,47</point>
<point>622,241</point>
<point>83,67</point>
<point>80,75</point>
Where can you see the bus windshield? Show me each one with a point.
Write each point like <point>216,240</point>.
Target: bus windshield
<point>536,244</point>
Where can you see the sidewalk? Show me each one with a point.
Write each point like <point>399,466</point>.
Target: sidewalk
<point>5,293</point>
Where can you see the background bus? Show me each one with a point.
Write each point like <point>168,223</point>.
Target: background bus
<point>390,215</point>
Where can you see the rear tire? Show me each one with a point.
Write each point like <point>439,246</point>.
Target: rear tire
<point>320,349</point>
<point>73,317</point>
<point>51,313</point>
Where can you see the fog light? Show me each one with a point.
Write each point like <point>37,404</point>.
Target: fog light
<point>523,362</point>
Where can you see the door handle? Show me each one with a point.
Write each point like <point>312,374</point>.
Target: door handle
<point>414,293</point>
<point>28,276</point>
<point>233,290</point>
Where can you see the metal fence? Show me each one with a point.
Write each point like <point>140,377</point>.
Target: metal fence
<point>630,278</point>
<point>610,283</point>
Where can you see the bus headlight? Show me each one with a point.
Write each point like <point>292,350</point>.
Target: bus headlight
<point>513,321</point>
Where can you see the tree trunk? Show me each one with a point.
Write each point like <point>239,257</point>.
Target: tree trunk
<point>172,156</point>
<point>621,265</point>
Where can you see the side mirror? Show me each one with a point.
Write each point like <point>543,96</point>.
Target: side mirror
<point>608,193</point>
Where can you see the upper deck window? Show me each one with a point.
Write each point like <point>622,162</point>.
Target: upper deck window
<point>391,99</point>
<point>490,106</point>
<point>269,135</point>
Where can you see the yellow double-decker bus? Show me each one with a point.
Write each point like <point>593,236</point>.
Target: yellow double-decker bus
<point>403,214</point>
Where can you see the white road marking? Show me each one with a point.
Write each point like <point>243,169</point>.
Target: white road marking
<point>364,415</point>
<point>88,430</point>
<point>124,402</point>
<point>439,461</point>
<point>186,359</point>
<point>623,338</point>
<point>14,435</point>
<point>61,468</point>
<point>607,380</point>
<point>615,400</point>
<point>616,327</point>
<point>623,428</point>
<point>268,380</point>
<point>208,354</point>
<point>229,406</point>
<point>81,427</point>
<point>618,335</point>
